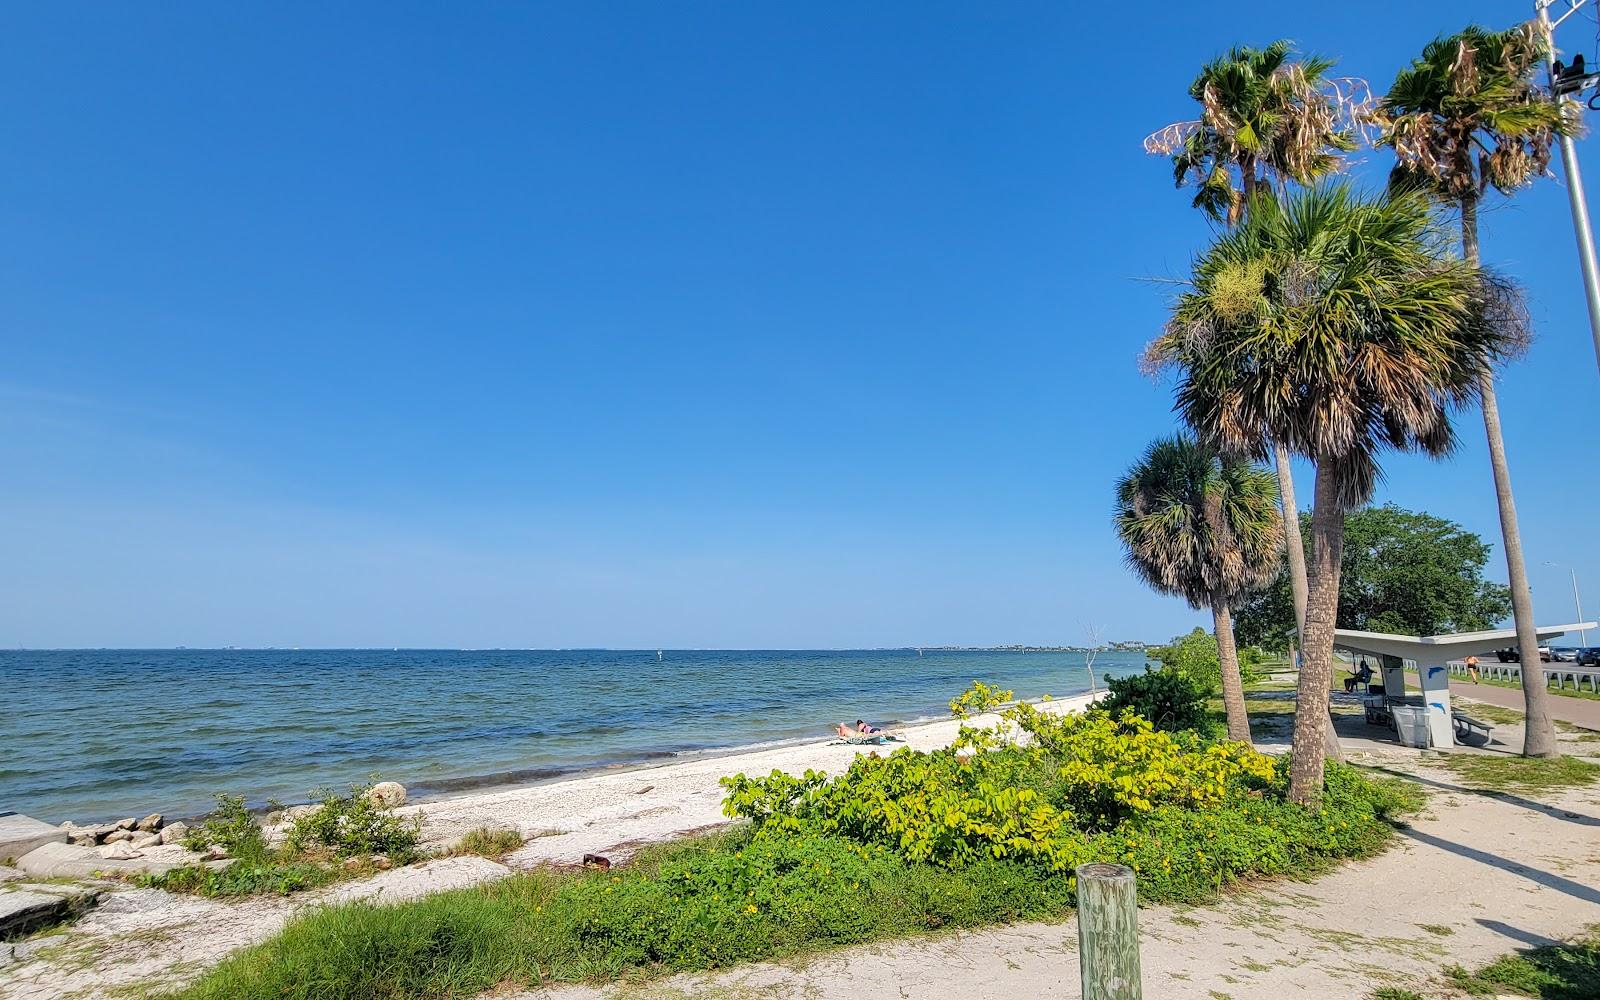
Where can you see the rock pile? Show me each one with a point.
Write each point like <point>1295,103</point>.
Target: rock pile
<point>126,838</point>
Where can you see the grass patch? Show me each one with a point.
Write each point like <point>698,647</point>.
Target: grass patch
<point>1495,773</point>
<point>489,842</point>
<point>1395,993</point>
<point>897,845</point>
<point>1563,692</point>
<point>344,837</point>
<point>1577,733</point>
<point>1556,972</point>
<point>1496,714</point>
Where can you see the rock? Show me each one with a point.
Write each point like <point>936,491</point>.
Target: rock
<point>125,824</point>
<point>120,850</point>
<point>382,862</point>
<point>68,861</point>
<point>9,874</point>
<point>387,794</point>
<point>174,833</point>
<point>144,840</point>
<point>216,852</point>
<point>84,838</point>
<point>33,907</point>
<point>116,836</point>
<point>149,823</point>
<point>293,813</point>
<point>20,834</point>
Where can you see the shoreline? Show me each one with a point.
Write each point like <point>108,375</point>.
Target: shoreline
<point>424,792</point>
<point>614,811</point>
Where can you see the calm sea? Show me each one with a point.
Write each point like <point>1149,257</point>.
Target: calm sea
<point>98,734</point>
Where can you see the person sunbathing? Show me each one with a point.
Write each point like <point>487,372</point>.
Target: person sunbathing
<point>866,728</point>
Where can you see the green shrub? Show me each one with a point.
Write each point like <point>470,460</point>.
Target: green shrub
<point>1169,698</point>
<point>1195,655</point>
<point>231,827</point>
<point>1080,773</point>
<point>352,826</point>
<point>344,828</point>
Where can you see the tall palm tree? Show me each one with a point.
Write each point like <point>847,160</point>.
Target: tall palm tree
<point>1267,118</point>
<point>1263,117</point>
<point>1463,117</point>
<point>1205,528</point>
<point>1336,325</point>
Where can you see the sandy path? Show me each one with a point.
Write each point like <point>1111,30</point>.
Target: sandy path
<point>1485,874</point>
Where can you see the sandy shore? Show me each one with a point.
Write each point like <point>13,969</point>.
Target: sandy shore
<point>613,812</point>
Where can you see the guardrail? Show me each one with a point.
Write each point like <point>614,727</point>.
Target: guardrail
<point>1556,673</point>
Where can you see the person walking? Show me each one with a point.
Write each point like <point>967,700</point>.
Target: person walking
<point>1472,668</point>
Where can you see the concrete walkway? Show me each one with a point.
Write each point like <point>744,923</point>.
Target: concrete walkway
<point>1583,712</point>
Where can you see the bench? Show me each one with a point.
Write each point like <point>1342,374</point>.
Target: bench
<point>1466,726</point>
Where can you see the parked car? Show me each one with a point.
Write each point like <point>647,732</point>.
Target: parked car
<point>1512,654</point>
<point>1587,656</point>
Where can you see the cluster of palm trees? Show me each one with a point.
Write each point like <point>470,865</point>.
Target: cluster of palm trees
<point>1331,324</point>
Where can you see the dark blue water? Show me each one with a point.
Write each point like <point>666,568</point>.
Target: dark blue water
<point>95,734</point>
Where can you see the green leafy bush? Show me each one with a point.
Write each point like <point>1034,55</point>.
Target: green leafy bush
<point>231,827</point>
<point>1077,774</point>
<point>1169,698</point>
<point>340,838</point>
<point>1195,655</point>
<point>352,826</point>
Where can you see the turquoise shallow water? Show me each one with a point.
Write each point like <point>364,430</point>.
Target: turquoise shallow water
<point>94,734</point>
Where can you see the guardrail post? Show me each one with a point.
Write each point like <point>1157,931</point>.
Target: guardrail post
<point>1108,933</point>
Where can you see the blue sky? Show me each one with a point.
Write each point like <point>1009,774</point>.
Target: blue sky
<point>633,324</point>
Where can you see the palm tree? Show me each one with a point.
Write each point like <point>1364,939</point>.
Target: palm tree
<point>1206,528</point>
<point>1268,118</point>
<point>1463,117</point>
<point>1336,325</point>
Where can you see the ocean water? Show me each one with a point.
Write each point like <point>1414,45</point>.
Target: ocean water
<point>99,734</point>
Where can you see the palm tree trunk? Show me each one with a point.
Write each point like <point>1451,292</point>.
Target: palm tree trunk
<point>1539,737</point>
<point>1295,550</point>
<point>1309,753</point>
<point>1232,684</point>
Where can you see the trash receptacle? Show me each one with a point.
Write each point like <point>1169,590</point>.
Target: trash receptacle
<point>1411,724</point>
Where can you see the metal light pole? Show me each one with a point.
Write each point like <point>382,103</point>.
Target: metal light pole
<point>1577,599</point>
<point>1569,163</point>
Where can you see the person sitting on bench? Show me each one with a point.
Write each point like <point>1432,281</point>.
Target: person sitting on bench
<point>1360,678</point>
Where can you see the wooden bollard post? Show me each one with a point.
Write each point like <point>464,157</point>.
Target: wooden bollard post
<point>1108,933</point>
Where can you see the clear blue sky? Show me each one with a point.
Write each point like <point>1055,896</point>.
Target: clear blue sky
<point>640,324</point>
